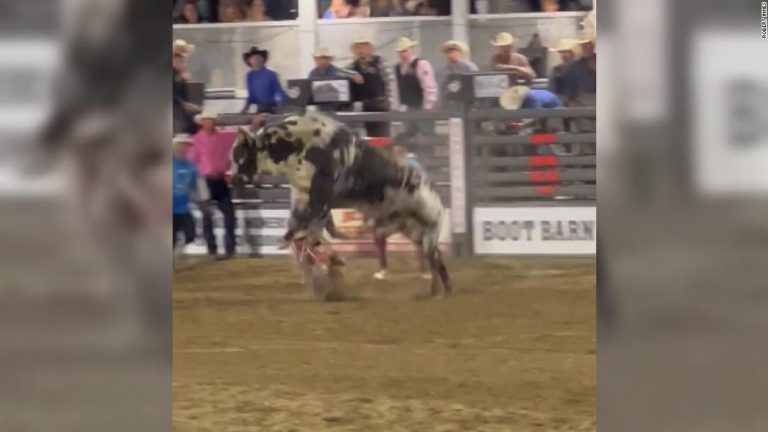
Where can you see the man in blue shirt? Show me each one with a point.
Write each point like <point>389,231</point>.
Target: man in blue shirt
<point>523,97</point>
<point>184,184</point>
<point>264,89</point>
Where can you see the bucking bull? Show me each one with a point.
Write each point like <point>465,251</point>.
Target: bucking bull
<point>328,164</point>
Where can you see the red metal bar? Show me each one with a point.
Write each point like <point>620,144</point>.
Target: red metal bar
<point>547,191</point>
<point>544,177</point>
<point>543,161</point>
<point>541,139</point>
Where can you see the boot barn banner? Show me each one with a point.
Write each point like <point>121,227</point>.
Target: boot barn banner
<point>258,232</point>
<point>535,231</point>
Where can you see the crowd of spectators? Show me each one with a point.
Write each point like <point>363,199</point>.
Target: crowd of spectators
<point>229,11</point>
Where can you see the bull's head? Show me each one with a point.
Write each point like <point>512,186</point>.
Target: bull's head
<point>245,157</point>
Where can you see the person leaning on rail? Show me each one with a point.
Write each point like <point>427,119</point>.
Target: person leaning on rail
<point>183,110</point>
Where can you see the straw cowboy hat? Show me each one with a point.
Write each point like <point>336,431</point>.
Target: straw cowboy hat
<point>322,52</point>
<point>513,97</point>
<point>586,36</point>
<point>404,43</point>
<point>457,45</point>
<point>503,39</point>
<point>362,40</point>
<point>181,47</point>
<point>565,45</point>
<point>255,51</point>
<point>206,114</point>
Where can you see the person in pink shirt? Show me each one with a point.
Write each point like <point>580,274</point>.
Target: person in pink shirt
<point>416,86</point>
<point>210,152</point>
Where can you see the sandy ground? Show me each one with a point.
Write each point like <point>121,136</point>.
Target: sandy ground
<point>512,350</point>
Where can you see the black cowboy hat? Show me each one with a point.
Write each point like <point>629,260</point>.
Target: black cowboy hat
<point>255,51</point>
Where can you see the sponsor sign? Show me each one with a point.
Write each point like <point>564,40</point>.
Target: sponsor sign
<point>256,232</point>
<point>728,100</point>
<point>350,222</point>
<point>535,230</point>
<point>259,232</point>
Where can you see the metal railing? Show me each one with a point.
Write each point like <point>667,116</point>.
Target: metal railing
<point>540,167</point>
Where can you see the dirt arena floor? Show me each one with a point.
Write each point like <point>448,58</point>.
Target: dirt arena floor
<point>512,350</point>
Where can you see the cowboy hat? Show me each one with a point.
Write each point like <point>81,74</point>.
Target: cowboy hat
<point>565,45</point>
<point>206,114</point>
<point>503,39</point>
<point>255,51</point>
<point>322,52</point>
<point>404,43</point>
<point>182,48</point>
<point>586,37</point>
<point>513,97</point>
<point>457,45</point>
<point>362,40</point>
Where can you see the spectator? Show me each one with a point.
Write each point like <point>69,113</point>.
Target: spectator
<point>454,52</point>
<point>183,110</point>
<point>231,11</point>
<point>210,153</point>
<point>507,59</point>
<point>581,89</point>
<point>184,185</point>
<point>398,9</point>
<point>558,79</point>
<point>324,68</point>
<point>190,14</point>
<point>346,9</point>
<point>424,8</point>
<point>263,84</point>
<point>381,8</point>
<point>257,11</point>
<point>550,6</point>
<point>416,84</point>
<point>371,85</point>
<point>523,97</point>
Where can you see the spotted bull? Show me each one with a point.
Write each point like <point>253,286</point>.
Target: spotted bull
<point>329,165</point>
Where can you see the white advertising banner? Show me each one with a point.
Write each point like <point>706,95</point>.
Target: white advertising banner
<point>728,101</point>
<point>256,232</point>
<point>360,237</point>
<point>260,232</point>
<point>535,230</point>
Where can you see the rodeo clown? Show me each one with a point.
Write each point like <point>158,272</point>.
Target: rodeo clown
<point>328,164</point>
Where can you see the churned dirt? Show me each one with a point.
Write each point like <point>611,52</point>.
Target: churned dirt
<point>512,350</point>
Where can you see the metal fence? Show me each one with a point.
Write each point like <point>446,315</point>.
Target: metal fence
<point>477,158</point>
